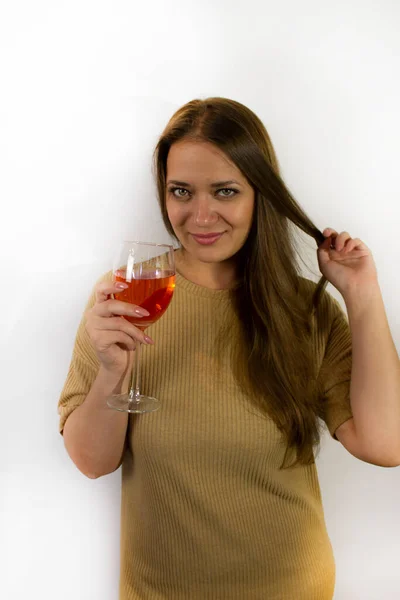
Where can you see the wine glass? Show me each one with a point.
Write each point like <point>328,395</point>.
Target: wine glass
<point>149,271</point>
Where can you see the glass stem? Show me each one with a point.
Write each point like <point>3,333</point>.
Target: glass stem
<point>134,393</point>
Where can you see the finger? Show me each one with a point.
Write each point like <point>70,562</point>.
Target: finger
<point>117,324</point>
<point>329,231</point>
<point>353,244</point>
<point>100,327</point>
<point>106,288</point>
<point>341,240</point>
<point>328,242</point>
<point>111,308</point>
<point>331,236</point>
<point>108,338</point>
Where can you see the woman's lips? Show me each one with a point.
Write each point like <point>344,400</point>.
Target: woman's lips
<point>207,240</point>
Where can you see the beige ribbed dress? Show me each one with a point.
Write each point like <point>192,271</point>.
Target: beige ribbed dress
<point>206,514</point>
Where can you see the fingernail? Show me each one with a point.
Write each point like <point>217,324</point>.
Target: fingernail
<point>121,286</point>
<point>141,312</point>
<point>148,340</point>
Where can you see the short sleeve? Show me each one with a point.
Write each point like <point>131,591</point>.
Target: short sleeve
<point>335,372</point>
<point>83,367</point>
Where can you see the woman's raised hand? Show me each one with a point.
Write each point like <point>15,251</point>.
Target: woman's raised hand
<point>111,336</point>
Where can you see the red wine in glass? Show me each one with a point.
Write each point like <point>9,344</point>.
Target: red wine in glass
<point>151,292</point>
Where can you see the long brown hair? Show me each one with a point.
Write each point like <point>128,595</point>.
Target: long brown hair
<point>276,365</point>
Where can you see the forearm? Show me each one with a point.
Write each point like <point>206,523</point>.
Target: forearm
<point>94,434</point>
<point>375,376</point>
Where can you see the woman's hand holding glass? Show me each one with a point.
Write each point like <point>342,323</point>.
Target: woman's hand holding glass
<point>112,337</point>
<point>141,291</point>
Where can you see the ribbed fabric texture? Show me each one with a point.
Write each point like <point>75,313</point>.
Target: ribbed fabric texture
<point>206,513</point>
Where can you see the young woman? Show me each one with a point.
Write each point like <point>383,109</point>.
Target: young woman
<point>220,493</point>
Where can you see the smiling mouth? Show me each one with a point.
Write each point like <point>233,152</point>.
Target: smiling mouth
<point>207,235</point>
<point>207,239</point>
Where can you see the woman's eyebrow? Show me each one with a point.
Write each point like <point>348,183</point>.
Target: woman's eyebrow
<point>214,185</point>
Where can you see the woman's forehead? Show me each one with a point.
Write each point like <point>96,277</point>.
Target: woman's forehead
<point>199,160</point>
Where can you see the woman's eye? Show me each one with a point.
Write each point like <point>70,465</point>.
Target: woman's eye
<point>176,189</point>
<point>228,190</point>
<point>182,193</point>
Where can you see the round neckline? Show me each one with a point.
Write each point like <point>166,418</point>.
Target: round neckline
<point>201,290</point>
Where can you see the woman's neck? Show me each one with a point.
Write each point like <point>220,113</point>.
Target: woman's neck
<point>216,276</point>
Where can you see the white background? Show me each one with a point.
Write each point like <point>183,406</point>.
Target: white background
<point>86,89</point>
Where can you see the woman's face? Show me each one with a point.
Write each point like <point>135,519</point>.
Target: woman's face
<point>207,194</point>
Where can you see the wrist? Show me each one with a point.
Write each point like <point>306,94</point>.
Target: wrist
<point>110,380</point>
<point>358,302</point>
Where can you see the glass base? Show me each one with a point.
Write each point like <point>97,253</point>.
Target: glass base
<point>124,403</point>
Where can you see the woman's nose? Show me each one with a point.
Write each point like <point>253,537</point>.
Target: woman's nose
<point>204,212</point>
